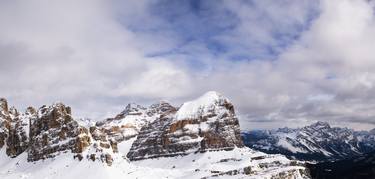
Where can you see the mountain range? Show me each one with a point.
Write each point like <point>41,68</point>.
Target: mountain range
<point>199,139</point>
<point>316,142</point>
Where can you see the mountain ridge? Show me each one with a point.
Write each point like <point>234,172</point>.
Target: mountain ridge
<point>203,145</point>
<point>316,142</point>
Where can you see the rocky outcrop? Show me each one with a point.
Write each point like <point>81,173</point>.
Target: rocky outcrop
<point>13,129</point>
<point>129,122</point>
<point>18,137</point>
<point>52,130</point>
<point>207,123</point>
<point>55,131</point>
<point>102,147</point>
<point>4,121</point>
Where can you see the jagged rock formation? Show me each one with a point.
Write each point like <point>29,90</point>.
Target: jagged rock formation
<point>4,121</point>
<point>208,123</point>
<point>205,132</point>
<point>55,131</point>
<point>13,129</point>
<point>18,139</point>
<point>129,122</point>
<point>318,141</point>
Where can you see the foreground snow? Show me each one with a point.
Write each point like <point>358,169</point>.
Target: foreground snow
<point>208,164</point>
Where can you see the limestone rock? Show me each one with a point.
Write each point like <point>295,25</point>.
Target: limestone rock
<point>207,123</point>
<point>18,137</point>
<point>129,122</point>
<point>4,121</point>
<point>13,129</point>
<point>55,131</point>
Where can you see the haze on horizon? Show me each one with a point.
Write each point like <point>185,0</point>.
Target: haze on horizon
<point>282,63</point>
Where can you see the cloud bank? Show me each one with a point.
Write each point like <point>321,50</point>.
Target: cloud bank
<point>282,63</point>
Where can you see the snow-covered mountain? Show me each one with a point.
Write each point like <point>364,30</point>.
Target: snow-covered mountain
<point>318,141</point>
<point>200,139</point>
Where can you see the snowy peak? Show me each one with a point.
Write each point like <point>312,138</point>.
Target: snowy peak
<point>161,108</point>
<point>207,123</point>
<point>133,109</point>
<point>205,104</point>
<point>129,122</point>
<point>206,144</point>
<point>318,141</point>
<point>319,126</point>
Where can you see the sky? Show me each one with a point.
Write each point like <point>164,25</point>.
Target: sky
<point>281,62</point>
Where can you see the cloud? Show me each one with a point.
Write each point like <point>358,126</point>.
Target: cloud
<point>76,52</point>
<point>281,62</point>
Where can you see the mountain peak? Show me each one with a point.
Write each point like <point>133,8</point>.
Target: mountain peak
<point>201,105</point>
<point>3,104</point>
<point>132,108</point>
<point>320,125</point>
<point>211,96</point>
<point>205,124</point>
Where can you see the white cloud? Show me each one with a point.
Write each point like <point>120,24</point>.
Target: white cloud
<point>314,60</point>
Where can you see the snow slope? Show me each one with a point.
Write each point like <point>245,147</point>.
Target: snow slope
<point>209,164</point>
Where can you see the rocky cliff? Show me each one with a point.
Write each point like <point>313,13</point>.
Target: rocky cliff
<point>207,123</point>
<point>14,129</point>
<point>203,135</point>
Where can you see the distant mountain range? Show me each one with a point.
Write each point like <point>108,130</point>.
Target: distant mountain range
<point>316,142</point>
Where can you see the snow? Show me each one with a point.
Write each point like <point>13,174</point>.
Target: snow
<point>283,143</point>
<point>190,166</point>
<point>199,106</point>
<point>193,165</point>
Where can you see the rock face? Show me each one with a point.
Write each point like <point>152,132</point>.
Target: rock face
<point>13,130</point>
<point>55,131</point>
<point>129,122</point>
<point>207,123</point>
<point>206,130</point>
<point>18,133</point>
<point>52,130</point>
<point>318,141</point>
<point>4,121</point>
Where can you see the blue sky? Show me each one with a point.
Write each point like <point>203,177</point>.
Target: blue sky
<point>288,62</point>
<point>213,24</point>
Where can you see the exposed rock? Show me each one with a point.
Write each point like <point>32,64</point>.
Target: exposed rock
<point>4,121</point>
<point>206,129</point>
<point>14,129</point>
<point>129,122</point>
<point>83,140</point>
<point>55,131</point>
<point>18,137</point>
<point>208,123</point>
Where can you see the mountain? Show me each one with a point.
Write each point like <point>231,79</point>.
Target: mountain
<point>316,142</point>
<point>207,123</point>
<point>200,139</point>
